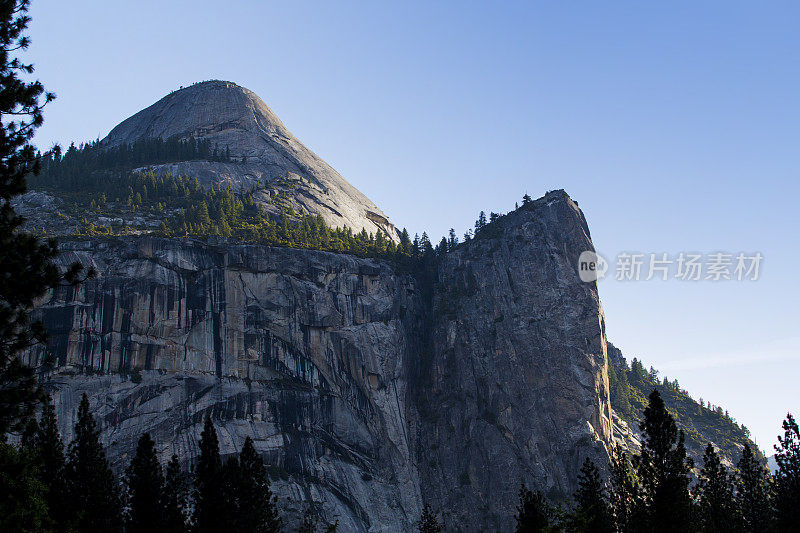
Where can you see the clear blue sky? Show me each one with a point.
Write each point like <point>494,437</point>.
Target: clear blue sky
<point>676,125</point>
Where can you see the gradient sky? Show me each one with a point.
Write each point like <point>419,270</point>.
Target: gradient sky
<point>676,125</point>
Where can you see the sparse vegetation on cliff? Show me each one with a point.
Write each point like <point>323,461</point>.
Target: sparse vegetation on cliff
<point>83,165</point>
<point>105,195</point>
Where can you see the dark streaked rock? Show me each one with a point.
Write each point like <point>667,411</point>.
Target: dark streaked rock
<point>360,394</point>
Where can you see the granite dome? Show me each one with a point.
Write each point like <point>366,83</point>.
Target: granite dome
<point>264,152</point>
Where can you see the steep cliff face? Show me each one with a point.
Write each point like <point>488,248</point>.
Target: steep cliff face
<point>263,149</point>
<point>517,384</point>
<point>365,393</point>
<point>304,351</point>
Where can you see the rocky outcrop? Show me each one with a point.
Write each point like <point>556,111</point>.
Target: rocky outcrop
<point>517,384</point>
<point>367,391</point>
<point>263,150</point>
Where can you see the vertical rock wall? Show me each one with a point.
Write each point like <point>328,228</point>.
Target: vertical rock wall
<point>516,383</point>
<point>304,351</point>
<point>362,395</point>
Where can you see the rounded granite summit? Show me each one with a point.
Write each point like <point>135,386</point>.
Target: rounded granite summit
<point>263,152</point>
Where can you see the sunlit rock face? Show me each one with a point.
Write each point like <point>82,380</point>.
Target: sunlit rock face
<point>263,150</point>
<point>517,386</point>
<point>304,351</point>
<point>366,390</point>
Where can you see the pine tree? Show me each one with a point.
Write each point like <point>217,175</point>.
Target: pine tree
<point>533,513</point>
<point>231,489</point>
<point>208,501</point>
<point>620,389</point>
<point>175,498</point>
<point>405,241</point>
<point>92,487</point>
<point>255,494</point>
<point>27,270</point>
<point>526,199</point>
<point>23,507</point>
<point>752,494</point>
<point>52,466</point>
<point>441,249</point>
<point>452,241</point>
<point>714,494</point>
<point>428,523</point>
<point>663,470</point>
<point>145,489</point>
<point>591,506</point>
<point>787,478</point>
<point>203,216</point>
<point>625,500</point>
<point>425,243</point>
<point>480,223</point>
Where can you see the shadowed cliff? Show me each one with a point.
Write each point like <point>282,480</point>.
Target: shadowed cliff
<point>517,385</point>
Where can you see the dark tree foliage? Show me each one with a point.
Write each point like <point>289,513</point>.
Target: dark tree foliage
<point>752,494</point>
<point>592,514</point>
<point>189,210</point>
<point>624,495</point>
<point>405,240</point>
<point>23,505</point>
<point>255,494</point>
<point>620,390</point>
<point>452,240</point>
<point>428,522</point>
<point>480,223</point>
<point>209,511</point>
<point>94,495</point>
<point>714,494</point>
<point>533,512</point>
<point>787,478</point>
<point>26,267</point>
<point>92,161</point>
<point>104,177</point>
<point>104,180</point>
<point>231,484</point>
<point>51,465</point>
<point>663,469</point>
<point>175,498</point>
<point>145,484</point>
<point>442,248</point>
